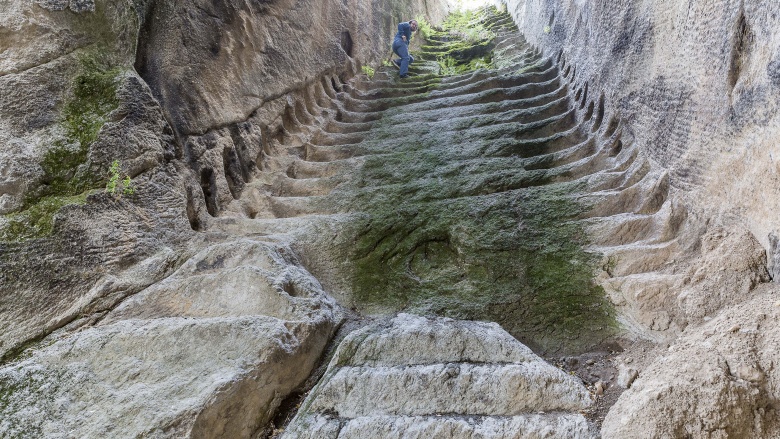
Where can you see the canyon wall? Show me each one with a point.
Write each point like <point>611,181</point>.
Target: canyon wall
<point>694,88</point>
<point>696,84</point>
<point>88,83</point>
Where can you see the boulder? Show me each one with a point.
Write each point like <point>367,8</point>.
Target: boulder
<point>717,381</point>
<point>209,352</point>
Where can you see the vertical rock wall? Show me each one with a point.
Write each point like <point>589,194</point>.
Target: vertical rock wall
<point>697,84</point>
<point>217,330</point>
<point>89,82</point>
<point>213,64</point>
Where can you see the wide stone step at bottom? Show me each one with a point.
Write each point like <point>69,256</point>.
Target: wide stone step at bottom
<point>537,426</point>
<point>456,379</point>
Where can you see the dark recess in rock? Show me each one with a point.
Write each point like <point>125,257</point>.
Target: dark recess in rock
<point>773,257</point>
<point>773,70</point>
<point>743,39</point>
<point>208,183</point>
<point>346,42</point>
<point>192,211</point>
<point>232,166</point>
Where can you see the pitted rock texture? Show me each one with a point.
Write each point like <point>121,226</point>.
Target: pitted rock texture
<point>693,84</point>
<point>242,54</point>
<point>417,377</point>
<point>717,381</point>
<point>211,351</point>
<point>62,58</point>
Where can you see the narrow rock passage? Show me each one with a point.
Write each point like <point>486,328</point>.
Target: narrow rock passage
<point>458,192</point>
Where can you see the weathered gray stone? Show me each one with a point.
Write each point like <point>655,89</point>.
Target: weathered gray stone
<point>626,376</point>
<point>79,6</point>
<point>717,381</point>
<point>732,265</point>
<point>420,377</point>
<point>53,5</point>
<point>211,351</point>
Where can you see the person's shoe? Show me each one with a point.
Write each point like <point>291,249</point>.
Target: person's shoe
<point>403,76</point>
<point>397,64</point>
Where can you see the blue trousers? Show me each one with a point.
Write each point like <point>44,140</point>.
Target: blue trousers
<point>400,49</point>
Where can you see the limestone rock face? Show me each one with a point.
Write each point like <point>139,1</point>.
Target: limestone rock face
<point>693,93</point>
<point>732,265</point>
<point>718,381</point>
<point>101,245</point>
<point>209,352</point>
<point>693,88</point>
<point>417,377</point>
<point>242,54</point>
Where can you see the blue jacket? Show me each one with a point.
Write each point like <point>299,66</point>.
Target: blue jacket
<point>404,29</point>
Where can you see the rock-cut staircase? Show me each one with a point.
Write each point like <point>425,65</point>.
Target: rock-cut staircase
<point>476,188</point>
<point>472,189</point>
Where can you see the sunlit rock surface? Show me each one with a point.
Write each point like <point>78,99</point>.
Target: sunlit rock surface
<point>438,378</point>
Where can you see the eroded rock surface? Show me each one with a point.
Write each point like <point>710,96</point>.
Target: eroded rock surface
<point>634,140</point>
<point>417,377</point>
<point>718,381</point>
<point>209,352</point>
<point>456,191</point>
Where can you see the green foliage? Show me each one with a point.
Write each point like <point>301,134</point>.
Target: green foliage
<point>450,66</point>
<point>461,44</point>
<point>127,186</point>
<point>114,177</point>
<point>117,185</point>
<point>368,71</point>
<point>424,28</point>
<point>37,220</point>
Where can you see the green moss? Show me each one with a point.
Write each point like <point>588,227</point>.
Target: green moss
<point>463,43</point>
<point>37,220</point>
<point>368,71</point>
<point>453,227</point>
<point>94,96</point>
<point>67,177</point>
<point>22,390</point>
<point>516,257</point>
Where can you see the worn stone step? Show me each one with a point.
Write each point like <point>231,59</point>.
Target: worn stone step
<point>432,377</point>
<point>537,426</point>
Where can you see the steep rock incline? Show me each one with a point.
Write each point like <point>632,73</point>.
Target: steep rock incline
<point>459,192</point>
<point>717,381</point>
<point>86,83</point>
<point>438,378</point>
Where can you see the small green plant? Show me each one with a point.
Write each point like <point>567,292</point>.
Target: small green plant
<point>547,29</point>
<point>127,184</point>
<point>368,71</point>
<point>115,186</point>
<point>426,30</point>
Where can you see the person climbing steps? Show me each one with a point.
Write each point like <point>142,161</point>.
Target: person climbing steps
<point>401,46</point>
